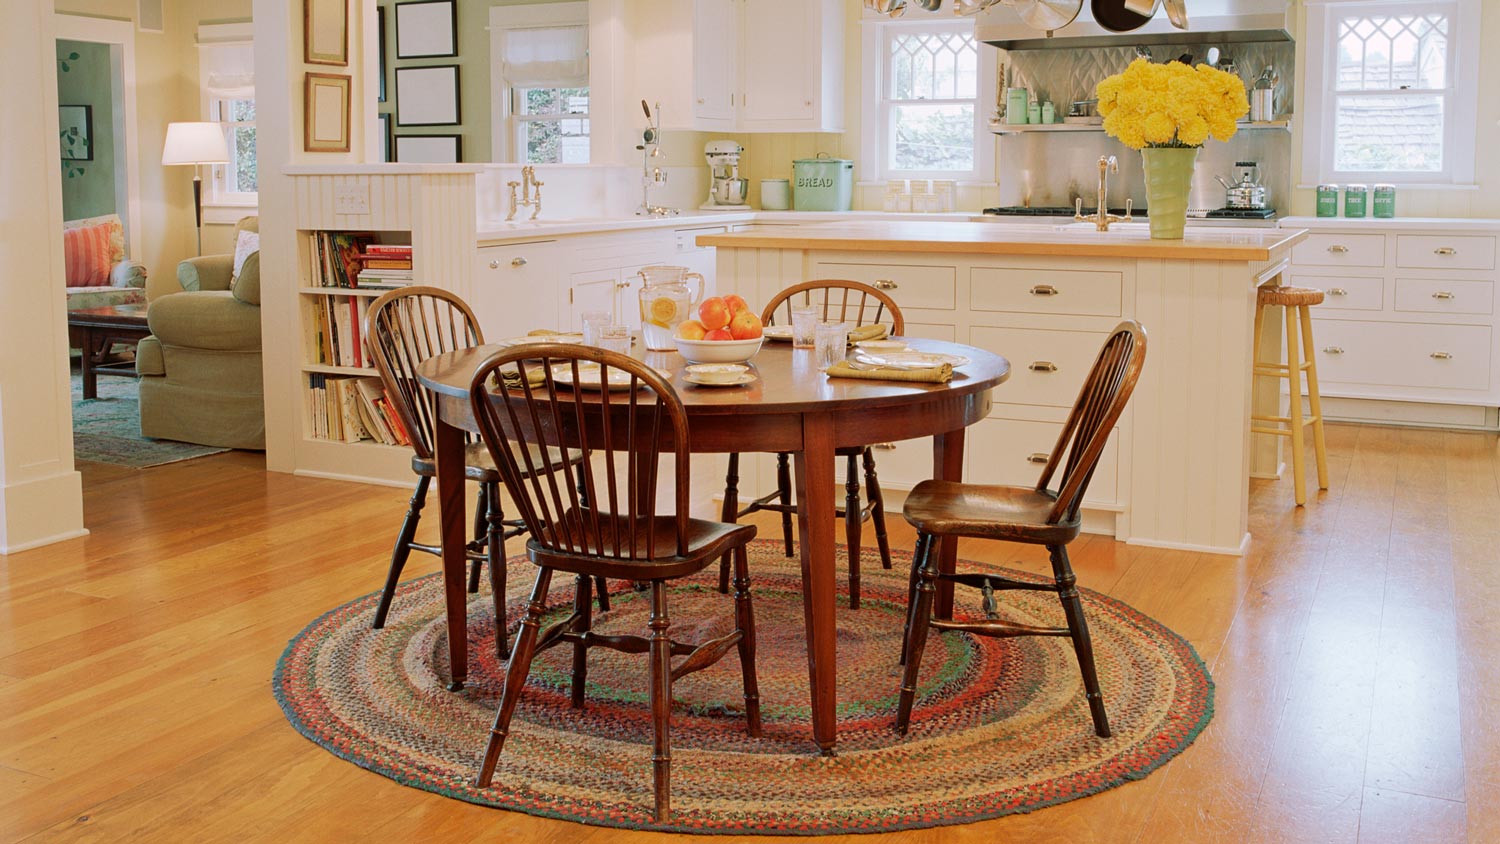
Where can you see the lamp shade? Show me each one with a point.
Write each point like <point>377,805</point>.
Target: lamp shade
<point>194,143</point>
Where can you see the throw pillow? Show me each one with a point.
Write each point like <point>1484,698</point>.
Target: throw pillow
<point>116,233</point>
<point>245,244</point>
<point>86,256</point>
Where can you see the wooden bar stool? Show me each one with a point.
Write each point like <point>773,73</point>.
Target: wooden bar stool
<point>1296,301</point>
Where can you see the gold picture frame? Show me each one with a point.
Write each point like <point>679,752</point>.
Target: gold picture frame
<point>325,32</point>
<point>325,112</point>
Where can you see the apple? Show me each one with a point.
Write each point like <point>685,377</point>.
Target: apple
<point>714,313</point>
<point>691,329</point>
<point>719,334</point>
<point>745,326</point>
<point>736,304</point>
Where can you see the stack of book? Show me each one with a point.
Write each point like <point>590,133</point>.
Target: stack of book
<point>349,409</point>
<point>336,257</point>
<point>385,266</point>
<point>338,330</point>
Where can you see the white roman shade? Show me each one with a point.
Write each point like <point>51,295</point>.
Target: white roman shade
<point>547,57</point>
<point>226,69</point>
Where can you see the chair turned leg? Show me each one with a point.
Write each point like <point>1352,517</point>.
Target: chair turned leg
<point>602,591</point>
<point>852,526</point>
<point>402,550</point>
<point>583,502</point>
<point>661,702</point>
<point>583,608</point>
<point>730,514</point>
<point>916,638</point>
<point>481,531</point>
<point>877,508</point>
<point>917,555</point>
<point>1294,377</point>
<point>1320,446</point>
<point>744,619</point>
<point>1078,628</point>
<point>515,677</point>
<point>494,549</point>
<point>784,486</point>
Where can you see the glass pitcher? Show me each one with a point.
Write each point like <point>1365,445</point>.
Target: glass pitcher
<point>666,301</point>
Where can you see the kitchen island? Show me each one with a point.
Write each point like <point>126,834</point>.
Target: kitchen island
<point>1045,297</point>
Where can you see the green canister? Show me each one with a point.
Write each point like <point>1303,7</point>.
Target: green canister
<point>1328,200</point>
<point>1354,200</point>
<point>1383,201</point>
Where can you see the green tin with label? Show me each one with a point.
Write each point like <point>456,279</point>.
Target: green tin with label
<point>1383,201</point>
<point>1355,197</point>
<point>1328,200</point>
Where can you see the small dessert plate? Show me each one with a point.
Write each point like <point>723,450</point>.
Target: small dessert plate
<point>740,381</point>
<point>910,360</point>
<point>588,377</point>
<point>723,373</point>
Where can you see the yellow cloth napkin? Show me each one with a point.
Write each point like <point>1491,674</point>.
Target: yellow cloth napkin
<point>875,331</point>
<point>940,374</point>
<point>511,377</point>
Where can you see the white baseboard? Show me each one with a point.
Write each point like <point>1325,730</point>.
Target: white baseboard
<point>41,512</point>
<point>1228,550</point>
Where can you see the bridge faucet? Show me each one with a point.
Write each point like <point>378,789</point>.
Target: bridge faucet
<point>531,193</point>
<point>1101,218</point>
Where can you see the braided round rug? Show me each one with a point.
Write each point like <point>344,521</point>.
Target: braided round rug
<point>1000,725</point>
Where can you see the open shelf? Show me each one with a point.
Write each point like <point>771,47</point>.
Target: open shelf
<point>1023,128</point>
<point>342,291</point>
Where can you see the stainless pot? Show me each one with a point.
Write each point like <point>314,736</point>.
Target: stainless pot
<point>1248,192</point>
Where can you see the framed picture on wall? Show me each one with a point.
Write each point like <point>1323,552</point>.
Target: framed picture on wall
<point>386,150</point>
<point>427,96</point>
<point>75,132</point>
<point>429,149</point>
<point>325,32</point>
<point>380,45</point>
<point>325,113</point>
<point>426,29</point>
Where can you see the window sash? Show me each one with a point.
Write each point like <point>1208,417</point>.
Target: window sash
<point>888,103</point>
<point>221,178</point>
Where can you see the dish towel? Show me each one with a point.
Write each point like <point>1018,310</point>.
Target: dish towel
<point>941,374</point>
<point>875,331</point>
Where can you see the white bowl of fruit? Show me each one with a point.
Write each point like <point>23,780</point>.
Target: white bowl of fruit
<point>726,331</point>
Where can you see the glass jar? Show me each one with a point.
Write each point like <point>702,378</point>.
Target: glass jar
<point>1354,200</point>
<point>1328,200</point>
<point>1383,201</point>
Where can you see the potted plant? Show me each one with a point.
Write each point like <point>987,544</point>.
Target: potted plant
<point>1168,111</point>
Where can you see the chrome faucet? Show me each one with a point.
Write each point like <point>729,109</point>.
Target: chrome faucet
<point>1101,218</point>
<point>531,193</point>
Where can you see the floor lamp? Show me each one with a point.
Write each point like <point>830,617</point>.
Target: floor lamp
<point>195,144</point>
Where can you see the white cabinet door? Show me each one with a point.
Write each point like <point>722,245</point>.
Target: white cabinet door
<point>515,289</point>
<point>591,291</point>
<point>781,66</point>
<point>715,63</point>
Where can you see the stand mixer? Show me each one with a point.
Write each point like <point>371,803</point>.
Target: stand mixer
<point>726,190</point>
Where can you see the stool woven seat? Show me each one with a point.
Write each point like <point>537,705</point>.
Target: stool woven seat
<point>1289,296</point>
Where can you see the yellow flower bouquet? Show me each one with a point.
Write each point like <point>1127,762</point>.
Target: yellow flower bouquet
<point>1168,111</point>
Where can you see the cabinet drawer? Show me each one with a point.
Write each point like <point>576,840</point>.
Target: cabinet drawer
<point>1014,452</point>
<point>1341,250</point>
<point>1358,293</point>
<point>1044,292</point>
<point>1047,366</point>
<point>1448,252</point>
<point>932,288</point>
<point>1445,296</point>
<point>1403,354</point>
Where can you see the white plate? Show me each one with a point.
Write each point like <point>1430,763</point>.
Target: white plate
<point>779,333</point>
<point>909,360</point>
<point>880,347</point>
<point>540,338</point>
<point>588,377</point>
<point>747,378</point>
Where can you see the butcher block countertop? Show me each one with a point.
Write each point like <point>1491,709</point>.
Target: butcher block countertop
<point>1077,240</point>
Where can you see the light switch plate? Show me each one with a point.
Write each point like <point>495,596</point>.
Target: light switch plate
<point>351,199</point>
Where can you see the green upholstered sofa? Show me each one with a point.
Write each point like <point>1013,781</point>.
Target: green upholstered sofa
<point>201,379</point>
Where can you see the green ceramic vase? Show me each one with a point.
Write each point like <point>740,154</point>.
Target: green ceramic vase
<point>1169,177</point>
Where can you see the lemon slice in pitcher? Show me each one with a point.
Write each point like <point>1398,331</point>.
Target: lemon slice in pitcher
<point>663,311</point>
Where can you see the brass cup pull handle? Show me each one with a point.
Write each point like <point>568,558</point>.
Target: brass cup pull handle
<point>1042,366</point>
<point>1338,249</point>
<point>885,284</point>
<point>1442,356</point>
<point>1038,457</point>
<point>1333,350</point>
<point>1337,291</point>
<point>884,446</point>
<point>1445,250</point>
<point>1443,294</point>
<point>518,261</point>
<point>1044,290</point>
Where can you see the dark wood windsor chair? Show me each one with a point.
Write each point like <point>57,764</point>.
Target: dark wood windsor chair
<point>1034,515</point>
<point>618,535</point>
<point>402,329</point>
<point>838,301</point>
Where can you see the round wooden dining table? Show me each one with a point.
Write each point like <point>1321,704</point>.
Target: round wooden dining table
<point>793,407</point>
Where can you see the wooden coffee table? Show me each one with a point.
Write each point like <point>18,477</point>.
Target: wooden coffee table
<point>96,330</point>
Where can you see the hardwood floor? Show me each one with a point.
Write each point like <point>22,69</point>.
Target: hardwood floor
<point>1355,650</point>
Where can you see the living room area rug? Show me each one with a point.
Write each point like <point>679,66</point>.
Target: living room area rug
<point>107,429</point>
<point>1000,725</point>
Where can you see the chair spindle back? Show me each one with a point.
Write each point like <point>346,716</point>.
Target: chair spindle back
<point>839,300</point>
<point>402,329</point>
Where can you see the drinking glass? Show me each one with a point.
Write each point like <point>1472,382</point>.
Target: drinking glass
<point>803,320</point>
<point>592,322</point>
<point>831,341</point>
<point>613,337</point>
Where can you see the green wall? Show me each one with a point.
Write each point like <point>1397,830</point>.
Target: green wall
<point>86,80</point>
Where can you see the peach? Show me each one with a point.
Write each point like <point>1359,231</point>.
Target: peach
<point>719,334</point>
<point>745,326</point>
<point>736,304</point>
<point>714,313</point>
<point>691,329</point>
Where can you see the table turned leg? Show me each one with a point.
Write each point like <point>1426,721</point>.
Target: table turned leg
<point>815,518</point>
<point>88,360</point>
<point>448,454</point>
<point>947,465</point>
